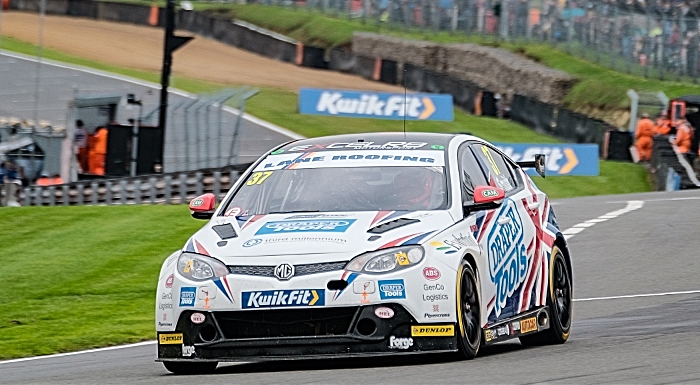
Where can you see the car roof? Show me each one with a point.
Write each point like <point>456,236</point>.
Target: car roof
<point>375,140</point>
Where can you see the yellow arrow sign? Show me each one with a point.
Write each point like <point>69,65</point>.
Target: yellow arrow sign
<point>429,108</point>
<point>313,301</point>
<point>571,161</point>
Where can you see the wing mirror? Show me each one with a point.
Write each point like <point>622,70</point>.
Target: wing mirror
<point>537,164</point>
<point>203,206</point>
<point>486,198</point>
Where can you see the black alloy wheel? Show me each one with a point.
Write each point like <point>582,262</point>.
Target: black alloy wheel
<point>469,311</point>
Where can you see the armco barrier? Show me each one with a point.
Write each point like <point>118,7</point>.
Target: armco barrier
<point>124,13</point>
<point>174,188</point>
<point>532,113</point>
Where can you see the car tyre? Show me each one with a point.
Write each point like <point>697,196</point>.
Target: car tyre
<point>179,367</point>
<point>468,311</point>
<point>559,302</point>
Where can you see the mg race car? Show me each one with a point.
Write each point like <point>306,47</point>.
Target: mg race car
<point>367,245</point>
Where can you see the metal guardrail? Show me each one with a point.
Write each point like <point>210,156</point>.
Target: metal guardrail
<point>173,188</point>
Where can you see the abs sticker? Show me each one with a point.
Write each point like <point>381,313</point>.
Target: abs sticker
<point>392,289</point>
<point>308,226</point>
<point>507,258</point>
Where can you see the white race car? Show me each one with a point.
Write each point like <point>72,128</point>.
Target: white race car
<point>367,244</point>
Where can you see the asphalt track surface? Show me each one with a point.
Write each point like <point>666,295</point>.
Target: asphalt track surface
<point>636,319</point>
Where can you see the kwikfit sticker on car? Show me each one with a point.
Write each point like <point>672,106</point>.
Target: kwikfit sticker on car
<point>283,298</point>
<point>379,105</point>
<point>507,258</point>
<point>318,225</point>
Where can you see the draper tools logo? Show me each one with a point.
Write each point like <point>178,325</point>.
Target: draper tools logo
<point>187,295</point>
<point>283,298</point>
<point>379,105</point>
<point>318,225</point>
<point>507,258</point>
<point>393,288</point>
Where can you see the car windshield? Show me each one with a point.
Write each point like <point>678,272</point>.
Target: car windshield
<point>406,188</point>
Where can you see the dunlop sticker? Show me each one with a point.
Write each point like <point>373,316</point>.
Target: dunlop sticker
<point>433,331</point>
<point>170,339</point>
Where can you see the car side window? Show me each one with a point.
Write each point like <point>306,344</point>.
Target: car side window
<point>470,174</point>
<point>500,174</point>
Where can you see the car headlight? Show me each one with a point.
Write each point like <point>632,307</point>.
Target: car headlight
<point>387,260</point>
<point>200,267</point>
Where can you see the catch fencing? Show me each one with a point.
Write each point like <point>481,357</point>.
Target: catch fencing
<point>649,41</point>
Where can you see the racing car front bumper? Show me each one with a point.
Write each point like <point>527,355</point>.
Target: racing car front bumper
<point>301,333</point>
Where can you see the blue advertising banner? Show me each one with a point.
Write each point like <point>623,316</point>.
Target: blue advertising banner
<point>377,105</point>
<point>560,159</point>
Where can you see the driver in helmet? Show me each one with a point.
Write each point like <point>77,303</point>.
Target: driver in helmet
<point>413,188</point>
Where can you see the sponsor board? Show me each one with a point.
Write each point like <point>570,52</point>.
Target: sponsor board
<point>560,159</point>
<point>392,289</point>
<point>400,343</point>
<point>432,331</point>
<point>506,254</point>
<point>283,298</point>
<point>187,296</point>
<point>170,339</point>
<point>528,325</point>
<point>300,239</point>
<point>318,225</point>
<point>379,105</point>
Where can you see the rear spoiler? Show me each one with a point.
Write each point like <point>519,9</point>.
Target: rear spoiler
<point>537,164</point>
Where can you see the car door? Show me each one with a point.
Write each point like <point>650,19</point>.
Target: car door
<point>506,235</point>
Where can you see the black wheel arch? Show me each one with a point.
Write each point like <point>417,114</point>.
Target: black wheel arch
<point>560,242</point>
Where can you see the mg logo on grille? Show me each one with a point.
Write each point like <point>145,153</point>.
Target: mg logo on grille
<point>284,271</point>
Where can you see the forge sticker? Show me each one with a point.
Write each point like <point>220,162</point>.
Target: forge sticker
<point>507,257</point>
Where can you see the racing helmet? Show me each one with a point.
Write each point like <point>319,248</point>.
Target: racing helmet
<point>413,187</point>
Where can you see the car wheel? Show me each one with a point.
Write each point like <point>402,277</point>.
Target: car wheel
<point>179,367</point>
<point>559,302</point>
<point>468,311</point>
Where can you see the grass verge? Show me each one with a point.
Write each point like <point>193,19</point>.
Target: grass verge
<point>87,279</point>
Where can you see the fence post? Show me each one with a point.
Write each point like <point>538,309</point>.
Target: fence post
<point>66,194</point>
<point>198,187</point>
<point>38,196</point>
<point>183,188</point>
<point>81,194</point>
<point>52,196</point>
<point>152,189</point>
<point>137,191</point>
<point>108,193</point>
<point>168,189</point>
<point>217,184</point>
<point>27,196</point>
<point>93,193</point>
<point>122,192</point>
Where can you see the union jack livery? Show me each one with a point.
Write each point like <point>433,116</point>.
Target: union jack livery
<point>367,244</point>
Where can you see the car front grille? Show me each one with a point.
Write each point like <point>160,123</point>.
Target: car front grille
<point>333,321</point>
<point>269,271</point>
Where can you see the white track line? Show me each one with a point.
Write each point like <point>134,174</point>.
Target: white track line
<point>638,295</point>
<point>662,200</point>
<point>575,229</point>
<point>80,352</point>
<point>250,118</point>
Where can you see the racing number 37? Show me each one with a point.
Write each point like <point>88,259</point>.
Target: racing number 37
<point>258,178</point>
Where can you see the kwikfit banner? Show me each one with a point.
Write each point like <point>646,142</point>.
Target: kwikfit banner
<point>560,159</point>
<point>377,105</point>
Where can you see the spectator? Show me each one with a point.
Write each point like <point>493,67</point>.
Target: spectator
<point>10,186</point>
<point>44,180</point>
<point>98,151</point>
<point>80,140</point>
<point>663,124</point>
<point>684,137</point>
<point>644,135</point>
